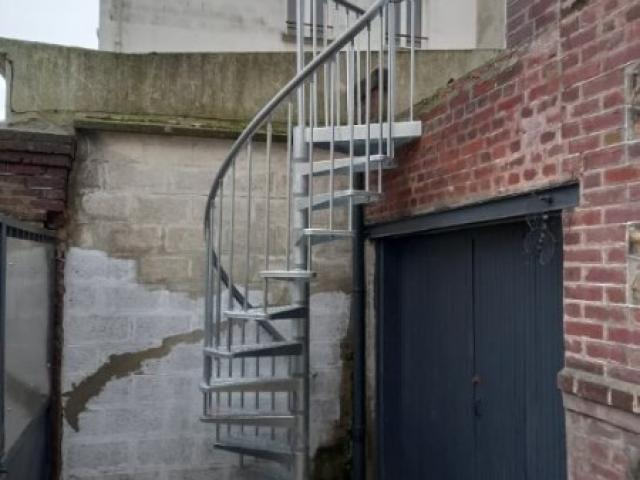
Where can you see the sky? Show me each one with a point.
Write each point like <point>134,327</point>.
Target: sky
<point>63,22</point>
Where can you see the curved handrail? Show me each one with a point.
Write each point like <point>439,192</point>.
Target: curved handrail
<point>257,121</point>
<point>350,6</point>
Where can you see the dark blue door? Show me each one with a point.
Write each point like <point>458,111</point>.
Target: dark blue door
<point>471,342</point>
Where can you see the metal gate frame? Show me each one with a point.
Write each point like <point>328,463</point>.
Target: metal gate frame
<point>506,209</point>
<point>10,228</point>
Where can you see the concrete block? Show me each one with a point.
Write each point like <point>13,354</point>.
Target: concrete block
<point>184,239</point>
<point>99,455</point>
<point>134,421</point>
<point>158,269</point>
<point>103,206</point>
<point>132,239</point>
<point>131,177</point>
<point>175,451</point>
<point>90,329</point>
<point>158,326</point>
<point>160,209</point>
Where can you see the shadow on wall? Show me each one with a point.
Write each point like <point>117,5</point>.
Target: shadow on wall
<point>3,97</point>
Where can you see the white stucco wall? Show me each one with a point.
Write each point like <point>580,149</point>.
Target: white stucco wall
<point>248,25</point>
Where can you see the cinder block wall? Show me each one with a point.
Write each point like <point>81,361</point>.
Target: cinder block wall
<point>561,105</point>
<point>133,314</point>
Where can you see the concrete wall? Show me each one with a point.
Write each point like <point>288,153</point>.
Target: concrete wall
<point>227,25</point>
<point>133,276</point>
<point>133,314</point>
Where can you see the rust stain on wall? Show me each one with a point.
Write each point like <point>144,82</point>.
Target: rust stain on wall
<point>116,367</point>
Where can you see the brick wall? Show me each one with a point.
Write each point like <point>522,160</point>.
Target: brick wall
<point>33,175</point>
<point>558,107</point>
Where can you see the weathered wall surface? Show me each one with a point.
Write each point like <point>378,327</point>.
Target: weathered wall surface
<point>562,107</point>
<point>208,94</point>
<point>33,175</point>
<point>133,313</point>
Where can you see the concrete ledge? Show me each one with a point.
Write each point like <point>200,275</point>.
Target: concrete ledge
<point>621,419</point>
<point>58,88</point>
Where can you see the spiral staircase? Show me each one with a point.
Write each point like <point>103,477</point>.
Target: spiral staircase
<point>290,182</point>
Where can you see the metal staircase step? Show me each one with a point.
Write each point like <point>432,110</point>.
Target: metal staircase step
<point>288,274</point>
<point>272,451</point>
<point>278,312</point>
<point>340,197</point>
<point>403,132</point>
<point>342,165</point>
<point>273,349</point>
<point>251,419</point>
<point>323,235</point>
<point>262,384</point>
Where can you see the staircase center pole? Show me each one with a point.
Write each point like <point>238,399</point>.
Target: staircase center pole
<point>300,288</point>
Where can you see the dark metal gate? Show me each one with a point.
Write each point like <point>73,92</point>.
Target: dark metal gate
<point>27,267</point>
<point>471,341</point>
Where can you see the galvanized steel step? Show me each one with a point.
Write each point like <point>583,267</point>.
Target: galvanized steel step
<point>288,274</point>
<point>340,197</point>
<point>274,452</point>
<point>277,312</point>
<point>262,384</point>
<point>402,132</point>
<point>248,419</point>
<point>343,165</point>
<point>273,349</point>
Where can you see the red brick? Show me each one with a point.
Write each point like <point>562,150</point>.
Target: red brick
<point>578,363</point>
<point>622,214</point>
<point>583,255</point>
<point>593,391</point>
<point>605,196</point>
<point>611,275</point>
<point>626,174</point>
<point>606,351</point>
<point>605,313</point>
<point>627,336</point>
<point>584,292</point>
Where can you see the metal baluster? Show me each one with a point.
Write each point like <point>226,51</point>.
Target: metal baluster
<point>350,114</point>
<point>310,181</point>
<point>230,322</point>
<point>391,58</point>
<point>338,85</point>
<point>383,21</point>
<point>219,296</point>
<point>208,313</point>
<point>267,241</point>
<point>358,85</point>
<point>368,108</point>
<point>332,186</point>
<point>325,43</point>
<point>314,52</point>
<point>289,173</point>
<point>412,19</point>
<point>247,271</point>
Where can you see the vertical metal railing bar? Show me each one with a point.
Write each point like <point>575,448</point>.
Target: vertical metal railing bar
<point>367,112</point>
<point>208,313</point>
<point>383,21</point>
<point>314,52</point>
<point>247,267</point>
<point>411,7</point>
<point>325,43</point>
<point>310,182</point>
<point>391,40</point>
<point>332,87</point>
<point>289,174</point>
<point>268,240</point>
<point>350,115</point>
<point>339,80</point>
<point>358,85</point>
<point>230,322</point>
<point>218,313</point>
